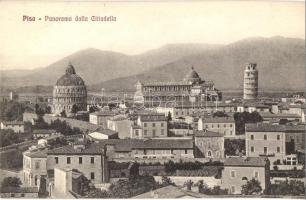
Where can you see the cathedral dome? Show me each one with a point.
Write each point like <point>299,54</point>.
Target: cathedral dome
<point>70,78</point>
<point>192,76</point>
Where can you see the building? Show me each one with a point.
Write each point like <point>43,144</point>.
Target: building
<point>16,126</point>
<point>122,124</point>
<point>103,134</point>
<point>69,93</point>
<point>170,192</point>
<point>181,111</point>
<point>19,192</point>
<point>209,145</point>
<point>238,170</point>
<point>150,126</point>
<point>42,133</point>
<point>253,107</point>
<point>148,149</point>
<point>101,117</point>
<point>250,86</point>
<point>35,168</point>
<point>295,138</point>
<point>191,89</point>
<point>89,159</point>
<point>68,183</point>
<point>265,140</point>
<point>223,125</point>
<point>268,117</point>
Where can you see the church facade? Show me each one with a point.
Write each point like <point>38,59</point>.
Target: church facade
<point>69,93</point>
<point>191,89</point>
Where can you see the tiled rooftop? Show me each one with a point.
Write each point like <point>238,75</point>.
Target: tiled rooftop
<point>205,133</point>
<point>218,120</point>
<point>37,154</point>
<point>153,117</point>
<point>126,145</point>
<point>44,131</point>
<point>19,190</point>
<point>12,122</point>
<point>264,127</point>
<point>245,161</point>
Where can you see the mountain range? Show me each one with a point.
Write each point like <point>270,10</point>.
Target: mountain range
<point>280,61</point>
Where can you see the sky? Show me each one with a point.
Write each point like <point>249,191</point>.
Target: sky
<point>139,26</point>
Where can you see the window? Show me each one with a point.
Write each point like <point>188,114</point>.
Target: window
<point>212,126</point>
<point>68,160</point>
<point>233,189</point>
<point>206,126</point>
<point>231,132</point>
<point>145,132</point>
<point>252,149</point>
<point>218,125</point>
<point>80,160</point>
<point>256,174</point>
<point>37,165</point>
<point>233,174</point>
<point>22,195</point>
<point>12,195</point>
<point>265,150</point>
<point>186,151</point>
<point>154,133</point>
<point>224,125</point>
<point>162,132</point>
<point>162,124</point>
<point>35,180</point>
<point>136,132</point>
<point>278,149</point>
<point>144,124</point>
<point>209,153</point>
<point>92,175</point>
<point>265,137</point>
<point>231,125</point>
<point>153,124</point>
<point>56,160</point>
<point>252,137</point>
<point>278,137</point>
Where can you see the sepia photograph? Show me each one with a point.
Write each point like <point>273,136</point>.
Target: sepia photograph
<point>152,99</point>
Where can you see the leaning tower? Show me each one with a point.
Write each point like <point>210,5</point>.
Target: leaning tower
<point>250,86</point>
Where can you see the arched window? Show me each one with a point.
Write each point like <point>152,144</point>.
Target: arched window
<point>209,153</point>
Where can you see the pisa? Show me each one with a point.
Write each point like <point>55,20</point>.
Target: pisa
<point>250,86</point>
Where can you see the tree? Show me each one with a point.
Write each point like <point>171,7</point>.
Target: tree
<point>11,182</point>
<point>220,114</point>
<point>166,181</point>
<point>98,194</point>
<point>93,109</point>
<point>242,118</point>
<point>63,113</point>
<point>74,108</point>
<point>188,184</point>
<point>251,187</point>
<point>292,188</point>
<point>120,189</point>
<point>48,110</point>
<point>169,117</point>
<point>234,147</point>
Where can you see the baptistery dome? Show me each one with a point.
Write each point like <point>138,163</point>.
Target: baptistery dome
<point>69,93</point>
<point>70,78</point>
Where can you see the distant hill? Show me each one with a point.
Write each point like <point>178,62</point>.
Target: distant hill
<point>94,65</point>
<point>281,65</point>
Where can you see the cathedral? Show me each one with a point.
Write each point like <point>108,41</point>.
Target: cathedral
<point>192,89</point>
<point>69,93</point>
